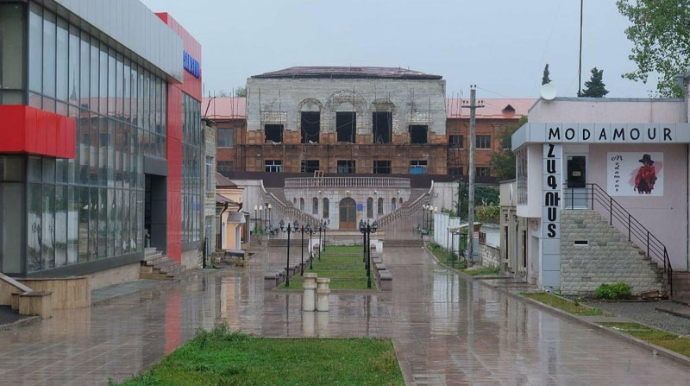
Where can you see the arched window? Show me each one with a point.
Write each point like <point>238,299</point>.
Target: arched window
<point>326,208</point>
<point>380,208</point>
<point>401,200</point>
<point>370,207</point>
<point>393,204</point>
<point>315,205</point>
<point>301,204</point>
<point>294,200</point>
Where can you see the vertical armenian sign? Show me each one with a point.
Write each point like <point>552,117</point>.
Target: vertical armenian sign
<point>551,216</point>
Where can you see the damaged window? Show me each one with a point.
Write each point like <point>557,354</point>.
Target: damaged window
<point>418,134</point>
<point>274,133</point>
<point>311,127</point>
<point>383,127</point>
<point>310,166</point>
<point>345,126</point>
<point>346,167</point>
<point>418,167</point>
<point>382,167</point>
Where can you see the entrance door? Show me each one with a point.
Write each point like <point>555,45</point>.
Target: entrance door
<point>576,182</point>
<point>348,214</point>
<point>155,212</point>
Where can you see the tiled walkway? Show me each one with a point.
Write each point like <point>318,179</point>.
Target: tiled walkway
<point>448,331</point>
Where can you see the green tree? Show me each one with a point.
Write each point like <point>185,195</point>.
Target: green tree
<point>545,79</point>
<point>595,85</point>
<point>661,40</point>
<point>502,162</point>
<point>241,92</point>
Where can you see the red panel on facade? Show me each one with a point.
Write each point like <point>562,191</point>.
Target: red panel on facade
<point>190,86</point>
<point>27,130</point>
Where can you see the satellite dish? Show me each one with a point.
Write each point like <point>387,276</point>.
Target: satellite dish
<point>548,92</point>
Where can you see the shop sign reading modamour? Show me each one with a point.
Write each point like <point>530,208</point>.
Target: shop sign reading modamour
<point>610,133</point>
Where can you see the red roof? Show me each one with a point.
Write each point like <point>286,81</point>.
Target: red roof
<point>494,108</point>
<point>224,108</point>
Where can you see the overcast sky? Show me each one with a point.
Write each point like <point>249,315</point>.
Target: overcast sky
<point>500,45</point>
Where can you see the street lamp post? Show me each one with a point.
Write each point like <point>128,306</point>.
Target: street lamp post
<point>325,228</point>
<point>261,216</point>
<point>367,229</point>
<point>304,229</point>
<point>291,228</point>
<point>269,207</point>
<point>311,250</point>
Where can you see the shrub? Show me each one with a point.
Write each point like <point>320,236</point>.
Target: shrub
<point>613,291</point>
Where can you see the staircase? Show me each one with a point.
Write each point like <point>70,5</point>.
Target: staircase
<point>607,257</point>
<point>157,266</point>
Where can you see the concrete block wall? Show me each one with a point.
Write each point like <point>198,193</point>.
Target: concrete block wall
<point>210,196</point>
<point>608,258</point>
<point>489,256</point>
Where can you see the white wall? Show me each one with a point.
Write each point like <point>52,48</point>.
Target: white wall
<point>445,195</point>
<point>442,222</point>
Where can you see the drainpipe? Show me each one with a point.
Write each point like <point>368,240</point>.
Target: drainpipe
<point>681,80</point>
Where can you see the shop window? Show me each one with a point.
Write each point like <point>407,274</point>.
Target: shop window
<point>370,207</point>
<point>382,167</point>
<point>382,127</point>
<point>456,141</point>
<point>483,142</point>
<point>274,166</point>
<point>418,167</point>
<point>346,167</point>
<point>225,137</point>
<point>311,126</point>
<point>345,126</point>
<point>310,166</point>
<point>274,133</point>
<point>380,206</point>
<point>326,208</point>
<point>483,171</point>
<point>315,206</point>
<point>419,134</point>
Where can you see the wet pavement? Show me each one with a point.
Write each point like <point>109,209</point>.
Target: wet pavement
<point>447,331</point>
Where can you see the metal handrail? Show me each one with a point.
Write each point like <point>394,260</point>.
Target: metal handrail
<point>594,196</point>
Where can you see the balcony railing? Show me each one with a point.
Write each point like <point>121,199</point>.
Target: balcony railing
<point>347,182</point>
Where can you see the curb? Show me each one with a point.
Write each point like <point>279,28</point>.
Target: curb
<point>678,358</point>
<point>20,323</point>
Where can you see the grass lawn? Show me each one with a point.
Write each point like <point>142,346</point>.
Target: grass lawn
<point>345,272</point>
<point>564,304</point>
<point>342,249</point>
<point>679,344</point>
<point>481,271</point>
<point>220,357</point>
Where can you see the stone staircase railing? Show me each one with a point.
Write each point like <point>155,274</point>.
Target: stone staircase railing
<point>288,212</point>
<point>406,210</point>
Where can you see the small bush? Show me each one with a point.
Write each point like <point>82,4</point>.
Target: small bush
<point>613,291</point>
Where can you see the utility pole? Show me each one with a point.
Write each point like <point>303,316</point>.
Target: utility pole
<point>473,106</point>
<point>579,87</point>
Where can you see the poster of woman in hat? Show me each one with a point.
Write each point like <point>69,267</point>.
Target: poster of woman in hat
<point>646,176</point>
<point>635,174</point>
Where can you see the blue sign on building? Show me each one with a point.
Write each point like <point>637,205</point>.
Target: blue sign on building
<point>191,65</point>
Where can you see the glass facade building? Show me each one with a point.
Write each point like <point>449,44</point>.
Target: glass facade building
<point>57,211</point>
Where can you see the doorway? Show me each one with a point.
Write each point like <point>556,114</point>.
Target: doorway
<point>348,214</point>
<point>156,212</point>
<point>576,182</point>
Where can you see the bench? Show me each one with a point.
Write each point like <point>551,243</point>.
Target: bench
<point>385,280</point>
<point>271,280</point>
<point>36,303</point>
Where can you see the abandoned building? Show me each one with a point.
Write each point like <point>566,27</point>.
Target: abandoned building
<point>356,120</point>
